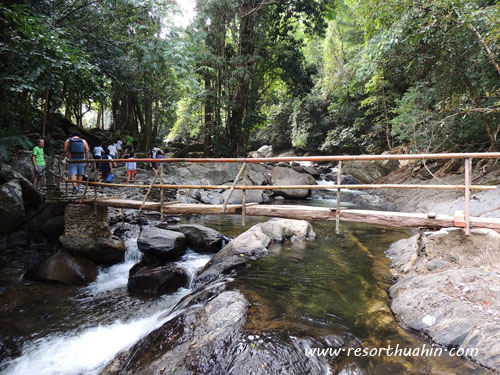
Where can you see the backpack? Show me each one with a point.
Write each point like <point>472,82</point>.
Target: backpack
<point>76,148</point>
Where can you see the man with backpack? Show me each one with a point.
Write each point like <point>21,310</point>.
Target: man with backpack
<point>77,149</point>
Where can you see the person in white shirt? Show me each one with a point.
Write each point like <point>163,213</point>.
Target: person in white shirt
<point>112,151</point>
<point>118,145</point>
<point>98,150</point>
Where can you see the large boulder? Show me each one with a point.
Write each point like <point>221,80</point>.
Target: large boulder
<point>102,251</point>
<point>64,268</point>
<point>366,172</point>
<point>210,337</point>
<point>263,152</point>
<point>199,237</point>
<point>252,196</point>
<point>448,287</point>
<point>253,244</point>
<point>211,174</point>
<point>310,170</point>
<point>11,204</point>
<point>24,165</point>
<point>156,280</point>
<point>30,194</point>
<point>163,244</point>
<point>287,176</point>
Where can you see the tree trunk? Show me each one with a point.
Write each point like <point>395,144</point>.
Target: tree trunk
<point>240,96</point>
<point>156,119</point>
<point>148,121</point>
<point>208,119</point>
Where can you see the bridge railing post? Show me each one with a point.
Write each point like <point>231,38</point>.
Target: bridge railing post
<point>161,192</point>
<point>339,182</point>
<point>468,165</point>
<point>244,198</point>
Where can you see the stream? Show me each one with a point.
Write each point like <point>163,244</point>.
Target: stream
<point>333,286</point>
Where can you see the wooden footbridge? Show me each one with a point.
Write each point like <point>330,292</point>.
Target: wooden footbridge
<point>396,219</point>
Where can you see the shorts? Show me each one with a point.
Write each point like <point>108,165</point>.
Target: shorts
<point>132,172</point>
<point>77,169</point>
<point>41,170</point>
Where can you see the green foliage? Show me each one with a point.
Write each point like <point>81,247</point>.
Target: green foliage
<point>10,141</point>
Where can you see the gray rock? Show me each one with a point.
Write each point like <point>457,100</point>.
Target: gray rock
<point>163,244</point>
<point>209,337</point>
<point>436,264</point>
<point>53,226</point>
<point>30,194</point>
<point>24,166</point>
<point>373,201</point>
<point>65,269</point>
<point>366,172</point>
<point>11,204</point>
<point>252,196</point>
<point>102,251</point>
<point>156,280</point>
<point>287,176</point>
<point>310,170</point>
<point>448,287</point>
<point>199,237</point>
<point>349,180</point>
<point>263,152</point>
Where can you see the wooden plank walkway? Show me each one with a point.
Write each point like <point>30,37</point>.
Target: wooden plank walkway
<point>394,219</point>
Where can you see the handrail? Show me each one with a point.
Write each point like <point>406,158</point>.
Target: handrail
<point>287,187</point>
<point>470,155</point>
<point>467,187</point>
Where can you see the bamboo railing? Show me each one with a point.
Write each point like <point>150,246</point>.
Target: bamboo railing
<point>466,187</point>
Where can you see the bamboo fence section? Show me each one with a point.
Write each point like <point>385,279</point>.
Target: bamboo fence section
<point>467,187</point>
<point>287,187</point>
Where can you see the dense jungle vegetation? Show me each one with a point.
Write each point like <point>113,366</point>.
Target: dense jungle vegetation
<point>324,76</point>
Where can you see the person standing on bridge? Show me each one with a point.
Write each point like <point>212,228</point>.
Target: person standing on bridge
<point>38,159</point>
<point>77,149</point>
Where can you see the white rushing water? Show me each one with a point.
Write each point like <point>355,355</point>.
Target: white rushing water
<point>332,183</point>
<point>88,350</point>
<point>84,352</point>
<point>116,276</point>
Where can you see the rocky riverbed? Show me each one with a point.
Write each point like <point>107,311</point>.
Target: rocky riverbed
<point>219,320</point>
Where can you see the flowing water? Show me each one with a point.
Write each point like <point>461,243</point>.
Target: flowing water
<point>334,286</point>
<point>67,330</point>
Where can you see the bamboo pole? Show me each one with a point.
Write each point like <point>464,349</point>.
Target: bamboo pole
<point>339,182</point>
<point>336,158</point>
<point>67,179</point>
<point>87,182</point>
<point>468,164</point>
<point>314,187</point>
<point>161,193</point>
<point>95,189</point>
<point>232,187</point>
<point>244,198</point>
<point>149,190</point>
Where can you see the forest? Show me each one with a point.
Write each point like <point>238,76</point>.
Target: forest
<point>317,76</point>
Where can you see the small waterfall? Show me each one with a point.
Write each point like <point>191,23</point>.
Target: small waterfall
<point>87,350</point>
<point>116,276</point>
<point>192,262</point>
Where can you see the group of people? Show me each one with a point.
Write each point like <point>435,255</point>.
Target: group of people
<point>77,148</point>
